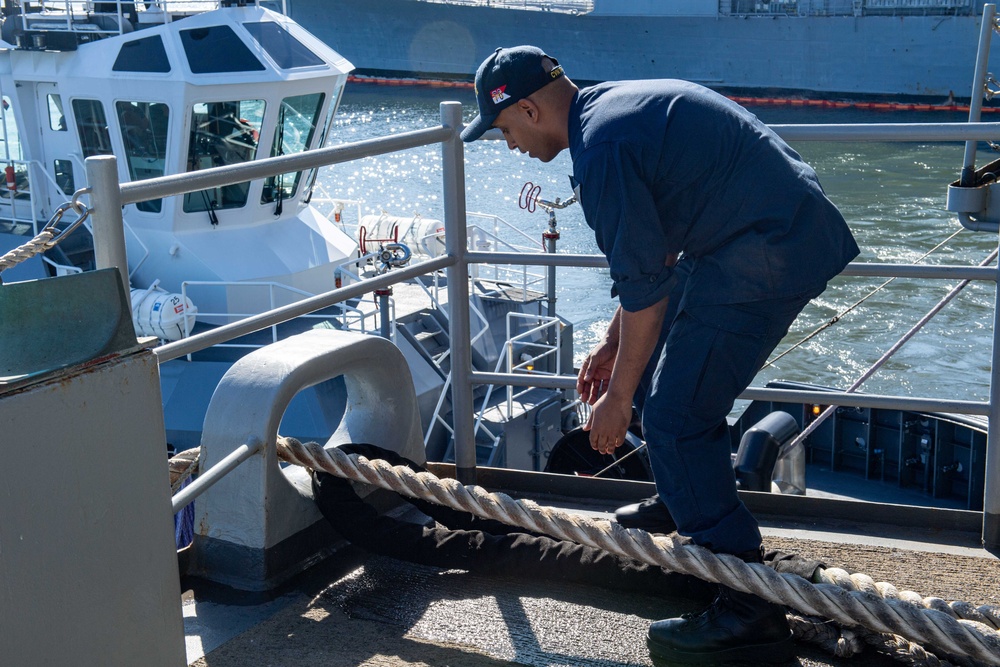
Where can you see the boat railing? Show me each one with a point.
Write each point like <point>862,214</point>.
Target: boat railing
<point>19,203</point>
<point>561,6</point>
<point>532,350</point>
<point>793,8</point>
<point>113,17</point>
<point>264,293</point>
<point>109,196</point>
<point>431,291</point>
<point>487,240</point>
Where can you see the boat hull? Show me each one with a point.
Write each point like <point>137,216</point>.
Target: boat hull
<point>870,56</point>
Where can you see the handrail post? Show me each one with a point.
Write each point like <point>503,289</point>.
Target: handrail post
<point>456,244</point>
<point>978,88</point>
<point>991,478</point>
<point>106,216</point>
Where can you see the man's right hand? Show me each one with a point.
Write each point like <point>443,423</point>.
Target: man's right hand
<point>595,372</point>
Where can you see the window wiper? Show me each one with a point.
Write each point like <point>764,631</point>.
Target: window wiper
<point>279,140</point>
<point>212,217</point>
<point>279,196</point>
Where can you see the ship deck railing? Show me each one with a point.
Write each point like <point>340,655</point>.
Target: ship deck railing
<point>77,16</point>
<point>109,196</point>
<point>269,295</point>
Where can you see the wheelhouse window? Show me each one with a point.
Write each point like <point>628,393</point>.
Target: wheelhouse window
<point>142,55</point>
<point>144,132</point>
<point>222,133</point>
<point>57,121</point>
<point>64,176</point>
<point>297,119</point>
<point>92,125</point>
<point>286,51</point>
<point>217,49</point>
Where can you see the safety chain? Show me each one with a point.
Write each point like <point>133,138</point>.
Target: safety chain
<point>956,629</point>
<point>50,236</point>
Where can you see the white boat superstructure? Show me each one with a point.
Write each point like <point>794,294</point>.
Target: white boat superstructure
<point>174,88</point>
<point>217,88</point>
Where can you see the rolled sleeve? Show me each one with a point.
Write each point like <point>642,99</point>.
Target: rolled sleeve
<point>619,206</point>
<point>639,294</point>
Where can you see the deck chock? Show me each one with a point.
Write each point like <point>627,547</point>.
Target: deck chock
<point>259,525</point>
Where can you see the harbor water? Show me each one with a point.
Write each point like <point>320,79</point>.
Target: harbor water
<point>892,195</point>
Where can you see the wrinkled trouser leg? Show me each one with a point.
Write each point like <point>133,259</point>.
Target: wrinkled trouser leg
<point>707,356</point>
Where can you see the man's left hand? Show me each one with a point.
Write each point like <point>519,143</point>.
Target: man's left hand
<point>609,422</point>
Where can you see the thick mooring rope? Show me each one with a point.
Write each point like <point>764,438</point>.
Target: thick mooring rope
<point>182,465</point>
<point>875,606</point>
<point>35,246</point>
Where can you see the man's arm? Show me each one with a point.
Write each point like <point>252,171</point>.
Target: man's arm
<point>596,369</point>
<point>612,412</point>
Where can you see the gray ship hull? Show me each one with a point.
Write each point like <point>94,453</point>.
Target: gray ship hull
<point>894,57</point>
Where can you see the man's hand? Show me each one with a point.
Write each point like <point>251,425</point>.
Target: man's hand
<point>595,372</point>
<point>609,422</point>
<point>612,413</point>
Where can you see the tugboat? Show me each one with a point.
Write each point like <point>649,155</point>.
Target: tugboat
<point>177,87</point>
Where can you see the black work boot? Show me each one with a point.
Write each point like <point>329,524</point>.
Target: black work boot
<point>650,515</point>
<point>738,627</point>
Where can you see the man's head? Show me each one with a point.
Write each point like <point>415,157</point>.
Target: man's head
<point>512,78</point>
<point>507,76</point>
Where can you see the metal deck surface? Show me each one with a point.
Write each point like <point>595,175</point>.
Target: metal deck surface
<point>357,609</point>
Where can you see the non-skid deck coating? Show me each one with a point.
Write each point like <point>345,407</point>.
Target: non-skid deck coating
<point>386,612</point>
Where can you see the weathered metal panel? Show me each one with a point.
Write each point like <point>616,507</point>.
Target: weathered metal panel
<point>87,558</point>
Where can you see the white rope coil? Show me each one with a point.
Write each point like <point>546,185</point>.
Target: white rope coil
<point>862,605</point>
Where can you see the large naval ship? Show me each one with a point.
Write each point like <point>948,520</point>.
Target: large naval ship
<point>894,49</point>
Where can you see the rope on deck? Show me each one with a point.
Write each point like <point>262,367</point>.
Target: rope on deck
<point>182,465</point>
<point>877,607</point>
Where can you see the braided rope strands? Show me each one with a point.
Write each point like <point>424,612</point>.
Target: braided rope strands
<point>988,615</point>
<point>35,246</point>
<point>183,465</point>
<point>844,642</point>
<point>838,641</point>
<point>898,647</point>
<point>848,607</point>
<point>51,235</point>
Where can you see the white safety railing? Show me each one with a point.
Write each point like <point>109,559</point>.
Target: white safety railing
<point>108,197</point>
<point>529,351</point>
<point>268,297</point>
<point>104,19</point>
<point>494,238</point>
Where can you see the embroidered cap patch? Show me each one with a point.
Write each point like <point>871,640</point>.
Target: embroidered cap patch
<point>499,95</point>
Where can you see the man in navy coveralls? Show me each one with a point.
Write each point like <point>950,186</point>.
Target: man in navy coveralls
<point>717,235</point>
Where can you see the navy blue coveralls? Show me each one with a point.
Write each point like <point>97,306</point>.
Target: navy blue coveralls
<point>666,167</point>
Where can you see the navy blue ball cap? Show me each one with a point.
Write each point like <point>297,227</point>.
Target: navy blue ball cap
<point>507,76</point>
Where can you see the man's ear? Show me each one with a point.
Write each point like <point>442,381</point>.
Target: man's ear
<point>529,108</point>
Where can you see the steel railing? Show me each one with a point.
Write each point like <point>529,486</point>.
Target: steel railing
<point>108,197</point>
